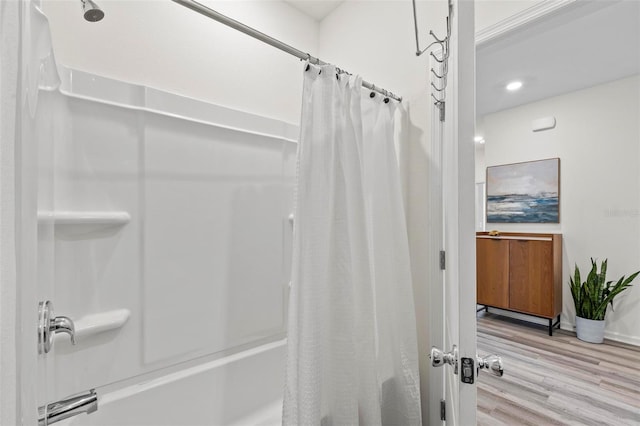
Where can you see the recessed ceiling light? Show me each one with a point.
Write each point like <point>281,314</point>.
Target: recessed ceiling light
<point>514,85</point>
<point>478,139</point>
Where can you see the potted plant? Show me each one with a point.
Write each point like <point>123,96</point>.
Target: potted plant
<point>591,299</point>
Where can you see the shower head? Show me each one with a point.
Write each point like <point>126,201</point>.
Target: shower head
<point>91,11</point>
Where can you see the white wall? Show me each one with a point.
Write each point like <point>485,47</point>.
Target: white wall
<point>597,139</point>
<point>163,45</point>
<point>376,40</point>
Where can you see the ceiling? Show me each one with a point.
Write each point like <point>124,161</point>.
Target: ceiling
<point>317,9</point>
<point>586,44</point>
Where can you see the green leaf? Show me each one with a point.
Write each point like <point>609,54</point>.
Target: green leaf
<point>592,297</point>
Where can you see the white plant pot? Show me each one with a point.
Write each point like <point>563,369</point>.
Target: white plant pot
<point>591,331</point>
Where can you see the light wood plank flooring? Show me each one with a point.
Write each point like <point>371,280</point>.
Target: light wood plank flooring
<point>557,380</point>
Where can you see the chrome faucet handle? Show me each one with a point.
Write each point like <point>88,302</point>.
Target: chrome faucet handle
<point>491,363</point>
<point>49,325</point>
<point>64,325</point>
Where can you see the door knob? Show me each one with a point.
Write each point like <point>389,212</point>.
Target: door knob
<point>491,363</point>
<point>50,325</point>
<point>439,358</point>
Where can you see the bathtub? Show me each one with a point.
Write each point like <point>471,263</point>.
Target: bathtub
<point>235,390</point>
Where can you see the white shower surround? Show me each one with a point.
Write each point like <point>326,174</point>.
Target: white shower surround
<point>201,263</point>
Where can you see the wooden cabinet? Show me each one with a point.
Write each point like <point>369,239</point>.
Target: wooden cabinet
<point>520,272</point>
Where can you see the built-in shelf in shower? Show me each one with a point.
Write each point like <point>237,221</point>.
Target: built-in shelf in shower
<point>93,324</point>
<point>89,220</point>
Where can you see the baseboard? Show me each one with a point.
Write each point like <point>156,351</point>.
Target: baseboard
<point>610,335</point>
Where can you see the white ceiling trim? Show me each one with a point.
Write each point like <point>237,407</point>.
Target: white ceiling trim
<point>524,17</point>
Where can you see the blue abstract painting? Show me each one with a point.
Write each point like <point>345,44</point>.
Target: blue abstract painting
<point>524,192</point>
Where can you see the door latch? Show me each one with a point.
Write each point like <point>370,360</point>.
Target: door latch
<point>467,375</point>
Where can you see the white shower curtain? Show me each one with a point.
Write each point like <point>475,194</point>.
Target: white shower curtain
<point>352,349</point>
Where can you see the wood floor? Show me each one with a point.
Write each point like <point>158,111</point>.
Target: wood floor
<point>557,380</point>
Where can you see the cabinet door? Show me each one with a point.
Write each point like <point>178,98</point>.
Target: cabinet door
<point>492,272</point>
<point>531,277</point>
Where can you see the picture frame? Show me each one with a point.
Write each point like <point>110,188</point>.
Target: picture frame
<point>526,192</point>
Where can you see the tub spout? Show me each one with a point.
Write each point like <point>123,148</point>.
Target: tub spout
<point>72,406</point>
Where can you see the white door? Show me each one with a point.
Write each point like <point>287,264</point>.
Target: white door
<point>452,290</point>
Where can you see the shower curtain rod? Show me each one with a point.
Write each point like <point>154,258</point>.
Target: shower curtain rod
<point>210,13</point>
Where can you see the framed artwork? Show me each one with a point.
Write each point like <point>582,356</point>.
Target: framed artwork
<point>524,192</point>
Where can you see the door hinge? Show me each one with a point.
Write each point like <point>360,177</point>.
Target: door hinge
<point>443,260</point>
<point>443,410</point>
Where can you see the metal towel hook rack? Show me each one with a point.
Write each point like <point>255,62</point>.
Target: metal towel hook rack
<point>439,90</point>
<point>439,95</point>
<point>435,73</point>
<point>444,40</point>
<point>440,61</point>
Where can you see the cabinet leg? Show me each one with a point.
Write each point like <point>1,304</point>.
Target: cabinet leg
<point>552,325</point>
